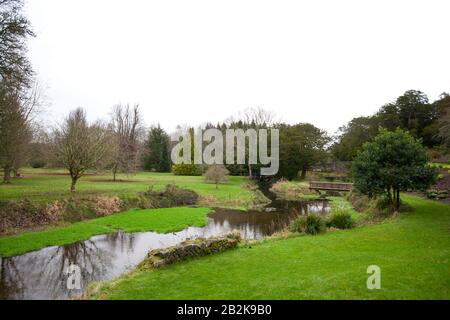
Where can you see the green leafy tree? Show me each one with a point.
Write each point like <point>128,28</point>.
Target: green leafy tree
<point>15,29</point>
<point>157,155</point>
<point>353,136</point>
<point>394,162</point>
<point>417,116</point>
<point>411,111</point>
<point>443,105</point>
<point>301,146</point>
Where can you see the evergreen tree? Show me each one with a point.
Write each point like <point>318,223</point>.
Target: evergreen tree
<point>157,156</point>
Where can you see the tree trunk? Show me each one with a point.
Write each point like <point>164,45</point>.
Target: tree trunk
<point>398,200</point>
<point>114,175</point>
<point>303,175</point>
<point>7,175</point>
<point>74,182</point>
<point>250,173</point>
<point>390,197</point>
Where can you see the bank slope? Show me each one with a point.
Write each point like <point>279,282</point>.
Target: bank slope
<point>413,252</point>
<point>157,220</point>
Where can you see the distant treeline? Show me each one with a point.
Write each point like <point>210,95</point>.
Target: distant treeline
<point>412,111</point>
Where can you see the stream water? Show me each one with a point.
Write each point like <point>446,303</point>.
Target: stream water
<point>43,274</point>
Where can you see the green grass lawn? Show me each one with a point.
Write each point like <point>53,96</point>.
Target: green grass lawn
<point>48,184</point>
<point>413,252</point>
<point>158,220</point>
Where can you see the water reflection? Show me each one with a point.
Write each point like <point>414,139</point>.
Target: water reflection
<point>43,274</point>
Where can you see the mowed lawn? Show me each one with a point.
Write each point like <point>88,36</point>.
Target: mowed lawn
<point>157,220</point>
<point>413,252</point>
<point>48,184</point>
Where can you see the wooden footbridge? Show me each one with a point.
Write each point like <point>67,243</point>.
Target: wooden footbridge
<point>330,186</point>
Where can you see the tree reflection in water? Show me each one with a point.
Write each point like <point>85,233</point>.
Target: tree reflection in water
<point>43,274</point>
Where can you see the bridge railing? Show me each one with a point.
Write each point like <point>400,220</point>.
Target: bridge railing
<point>338,186</point>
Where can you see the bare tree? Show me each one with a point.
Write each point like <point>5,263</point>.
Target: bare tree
<point>80,146</point>
<point>128,130</point>
<point>217,174</point>
<point>252,118</point>
<point>257,118</point>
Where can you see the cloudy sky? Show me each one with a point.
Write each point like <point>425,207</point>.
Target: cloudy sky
<point>323,62</point>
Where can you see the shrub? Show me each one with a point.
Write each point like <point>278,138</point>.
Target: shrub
<point>38,164</point>
<point>54,210</point>
<point>187,170</point>
<point>298,225</point>
<point>332,193</point>
<point>340,219</point>
<point>135,201</point>
<point>105,206</point>
<point>359,201</point>
<point>217,174</point>
<point>292,191</point>
<point>77,209</point>
<point>309,224</point>
<point>171,196</point>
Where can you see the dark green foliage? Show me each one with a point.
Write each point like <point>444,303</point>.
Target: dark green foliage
<point>310,224</point>
<point>394,162</point>
<point>301,146</point>
<point>353,136</point>
<point>340,219</point>
<point>171,196</point>
<point>38,164</point>
<point>15,29</point>
<point>187,170</point>
<point>411,111</point>
<point>443,107</point>
<point>157,155</point>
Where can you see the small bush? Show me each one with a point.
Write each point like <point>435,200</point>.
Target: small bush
<point>332,193</point>
<point>38,164</point>
<point>105,206</point>
<point>340,219</point>
<point>359,202</point>
<point>187,170</point>
<point>290,191</point>
<point>77,209</point>
<point>217,174</point>
<point>171,196</point>
<point>382,207</point>
<point>309,224</point>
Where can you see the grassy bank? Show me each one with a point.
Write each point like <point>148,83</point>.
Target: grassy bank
<point>293,190</point>
<point>413,252</point>
<point>158,220</point>
<point>47,184</point>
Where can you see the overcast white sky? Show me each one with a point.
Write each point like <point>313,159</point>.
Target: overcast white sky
<point>316,61</point>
